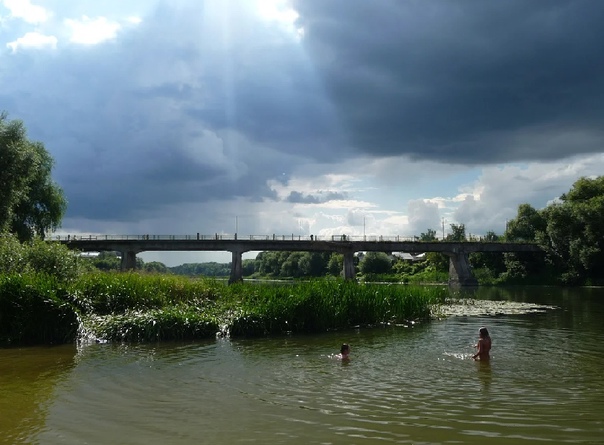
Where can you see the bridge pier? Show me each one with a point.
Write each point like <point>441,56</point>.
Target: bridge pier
<point>128,260</point>
<point>236,267</point>
<point>460,272</point>
<point>349,272</point>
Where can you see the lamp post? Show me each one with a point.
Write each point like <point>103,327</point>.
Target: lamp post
<point>443,221</point>
<point>364,237</point>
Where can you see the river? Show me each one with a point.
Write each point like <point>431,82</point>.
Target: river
<point>412,385</point>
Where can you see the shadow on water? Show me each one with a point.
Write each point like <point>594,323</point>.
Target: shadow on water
<point>28,377</point>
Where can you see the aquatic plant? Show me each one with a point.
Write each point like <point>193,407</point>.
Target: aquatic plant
<point>179,322</point>
<point>34,309</point>
<point>148,307</point>
<point>322,305</point>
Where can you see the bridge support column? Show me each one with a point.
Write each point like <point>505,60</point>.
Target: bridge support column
<point>460,273</point>
<point>236,267</point>
<point>128,260</point>
<point>349,272</point>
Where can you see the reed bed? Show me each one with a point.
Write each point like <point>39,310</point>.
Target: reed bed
<point>143,307</point>
<point>323,305</point>
<point>34,309</point>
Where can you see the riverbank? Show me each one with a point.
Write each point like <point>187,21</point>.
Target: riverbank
<point>116,307</point>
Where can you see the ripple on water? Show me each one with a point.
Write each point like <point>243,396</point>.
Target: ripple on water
<point>413,385</point>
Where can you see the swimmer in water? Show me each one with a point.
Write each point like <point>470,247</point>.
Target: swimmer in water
<point>483,346</point>
<point>344,352</point>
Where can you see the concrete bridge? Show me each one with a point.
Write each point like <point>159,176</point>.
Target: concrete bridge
<point>460,272</point>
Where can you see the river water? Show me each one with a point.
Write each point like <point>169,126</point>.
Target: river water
<point>411,385</point>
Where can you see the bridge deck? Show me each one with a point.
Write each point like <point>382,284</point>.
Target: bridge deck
<point>232,243</point>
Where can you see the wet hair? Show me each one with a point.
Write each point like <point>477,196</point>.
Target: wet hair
<point>344,348</point>
<point>483,332</point>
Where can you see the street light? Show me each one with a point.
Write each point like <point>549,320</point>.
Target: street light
<point>364,237</point>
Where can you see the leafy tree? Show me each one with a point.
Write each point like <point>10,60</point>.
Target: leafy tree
<point>574,234</point>
<point>335,265</point>
<point>375,263</point>
<point>430,235</point>
<point>458,233</point>
<point>38,256</point>
<point>31,204</point>
<point>314,264</point>
<point>155,267</point>
<point>291,266</point>
<point>106,261</point>
<point>526,225</point>
<point>493,261</point>
<point>437,261</point>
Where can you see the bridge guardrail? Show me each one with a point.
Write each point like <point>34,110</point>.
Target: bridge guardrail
<point>273,237</point>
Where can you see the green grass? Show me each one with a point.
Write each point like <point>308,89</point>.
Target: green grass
<point>37,308</point>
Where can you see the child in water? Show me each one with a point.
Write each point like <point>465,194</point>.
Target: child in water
<point>483,345</point>
<point>344,352</point>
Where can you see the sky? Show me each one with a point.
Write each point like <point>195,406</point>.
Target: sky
<point>385,117</point>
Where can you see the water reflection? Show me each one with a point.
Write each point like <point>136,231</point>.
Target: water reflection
<point>485,375</point>
<point>28,377</point>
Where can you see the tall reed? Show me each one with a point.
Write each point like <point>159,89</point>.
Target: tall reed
<point>34,309</point>
<point>140,307</point>
<point>328,304</point>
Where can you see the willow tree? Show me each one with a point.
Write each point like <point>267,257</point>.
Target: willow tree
<point>31,203</point>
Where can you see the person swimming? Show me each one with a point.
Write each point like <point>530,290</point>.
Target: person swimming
<point>344,352</point>
<point>483,346</point>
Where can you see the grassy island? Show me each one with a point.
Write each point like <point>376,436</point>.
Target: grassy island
<point>37,308</point>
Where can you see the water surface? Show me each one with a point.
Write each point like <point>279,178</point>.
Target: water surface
<point>414,385</point>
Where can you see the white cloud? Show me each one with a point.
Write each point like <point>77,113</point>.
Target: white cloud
<point>423,215</point>
<point>33,40</point>
<point>89,31</point>
<point>23,9</point>
<point>495,196</point>
<point>134,20</point>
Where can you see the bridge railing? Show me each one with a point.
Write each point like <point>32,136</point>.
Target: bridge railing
<point>235,236</point>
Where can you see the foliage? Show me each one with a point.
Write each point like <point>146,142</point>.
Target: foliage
<point>181,322</point>
<point>209,269</point>
<point>526,225</point>
<point>458,233</point>
<point>430,235</point>
<point>38,308</point>
<point>570,231</point>
<point>105,261</point>
<point>34,309</point>
<point>320,305</point>
<point>40,257</point>
<point>335,265</point>
<point>492,261</point>
<point>292,264</point>
<point>31,204</point>
<point>375,263</point>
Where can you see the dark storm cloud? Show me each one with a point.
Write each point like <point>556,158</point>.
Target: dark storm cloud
<point>469,81</point>
<point>202,101</point>
<point>301,198</point>
<point>117,117</point>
